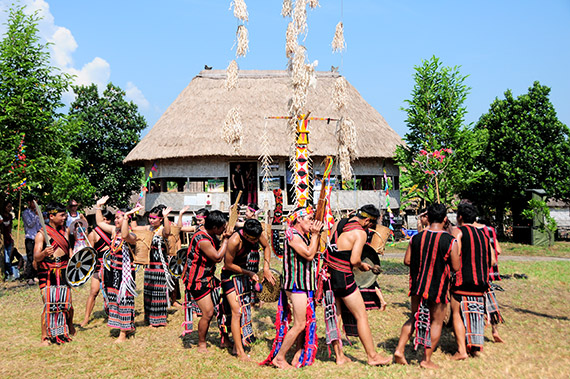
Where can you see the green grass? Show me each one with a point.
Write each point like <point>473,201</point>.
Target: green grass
<point>535,310</point>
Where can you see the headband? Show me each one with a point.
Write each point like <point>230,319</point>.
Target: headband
<point>53,211</point>
<point>300,213</point>
<point>200,216</point>
<point>251,209</point>
<point>362,214</point>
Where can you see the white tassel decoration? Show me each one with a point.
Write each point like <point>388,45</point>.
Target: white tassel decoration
<point>338,44</point>
<point>300,16</point>
<point>240,10</point>
<point>291,40</point>
<point>313,3</point>
<point>232,76</point>
<point>339,95</point>
<point>242,41</point>
<point>232,131</point>
<point>287,8</point>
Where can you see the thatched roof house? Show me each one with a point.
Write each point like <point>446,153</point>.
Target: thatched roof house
<point>187,141</point>
<point>192,125</point>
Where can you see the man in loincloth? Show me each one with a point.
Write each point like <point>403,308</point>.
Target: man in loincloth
<point>239,275</point>
<point>51,263</point>
<point>431,255</point>
<point>204,252</point>
<point>471,283</point>
<point>343,254</point>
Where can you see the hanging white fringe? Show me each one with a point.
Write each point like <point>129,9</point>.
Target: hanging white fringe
<point>231,76</point>
<point>300,16</point>
<point>339,95</point>
<point>287,8</point>
<point>348,135</point>
<point>265,159</point>
<point>338,44</point>
<point>240,10</point>
<point>344,163</point>
<point>291,40</point>
<point>242,41</point>
<point>313,3</point>
<point>232,131</point>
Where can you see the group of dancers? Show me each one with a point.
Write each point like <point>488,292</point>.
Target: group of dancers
<point>447,264</point>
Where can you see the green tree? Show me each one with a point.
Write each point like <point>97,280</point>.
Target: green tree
<point>110,128</point>
<point>30,109</point>
<point>528,147</point>
<point>436,122</point>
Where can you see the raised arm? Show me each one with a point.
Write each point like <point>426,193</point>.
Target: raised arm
<point>216,255</point>
<point>107,228</point>
<point>126,233</point>
<point>166,222</point>
<point>184,210</point>
<point>308,252</point>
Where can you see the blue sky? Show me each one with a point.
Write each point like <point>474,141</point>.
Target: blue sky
<point>154,49</point>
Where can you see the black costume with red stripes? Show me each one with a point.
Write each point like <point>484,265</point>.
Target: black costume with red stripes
<point>200,272</point>
<point>473,278</point>
<point>429,265</point>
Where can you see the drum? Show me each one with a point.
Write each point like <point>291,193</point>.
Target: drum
<point>269,293</point>
<point>107,260</point>
<point>142,248</point>
<point>177,263</point>
<point>379,238</point>
<point>172,240</point>
<point>81,266</point>
<point>365,279</point>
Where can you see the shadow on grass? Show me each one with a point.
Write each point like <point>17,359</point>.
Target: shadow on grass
<point>527,311</point>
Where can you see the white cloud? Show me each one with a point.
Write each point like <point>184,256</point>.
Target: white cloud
<point>63,45</point>
<point>136,95</point>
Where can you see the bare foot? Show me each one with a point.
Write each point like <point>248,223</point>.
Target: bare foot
<point>244,358</point>
<point>45,342</point>
<point>297,356</point>
<point>84,324</point>
<point>400,359</point>
<point>120,339</point>
<point>497,338</point>
<point>281,363</point>
<point>378,360</point>
<point>343,360</point>
<point>202,348</point>
<point>459,357</point>
<point>176,304</point>
<point>428,365</point>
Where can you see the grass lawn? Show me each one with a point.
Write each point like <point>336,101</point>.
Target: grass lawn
<point>535,310</point>
<point>560,249</point>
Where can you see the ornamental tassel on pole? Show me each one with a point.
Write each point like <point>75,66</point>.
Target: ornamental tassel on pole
<point>300,16</point>
<point>338,44</point>
<point>265,159</point>
<point>240,10</point>
<point>242,41</point>
<point>232,76</point>
<point>232,131</point>
<point>313,3</point>
<point>287,9</point>
<point>339,95</point>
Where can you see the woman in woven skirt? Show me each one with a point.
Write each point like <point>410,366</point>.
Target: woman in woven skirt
<point>120,279</point>
<point>157,279</point>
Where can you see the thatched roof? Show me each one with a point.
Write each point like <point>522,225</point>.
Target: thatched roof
<point>192,125</point>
